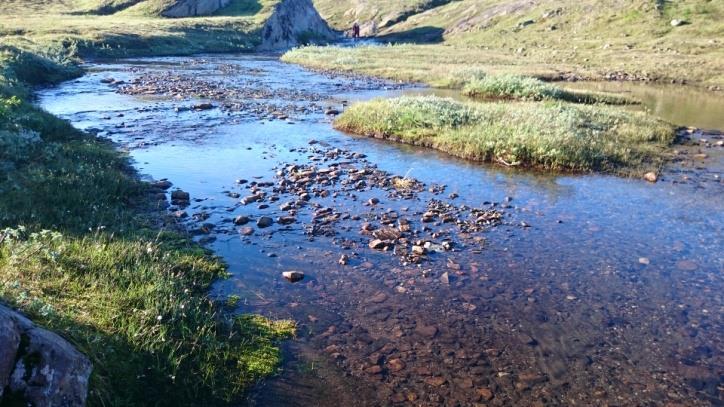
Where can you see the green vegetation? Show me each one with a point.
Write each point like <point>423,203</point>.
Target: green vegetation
<point>549,39</point>
<point>82,253</point>
<point>522,88</point>
<point>550,135</point>
<point>96,28</point>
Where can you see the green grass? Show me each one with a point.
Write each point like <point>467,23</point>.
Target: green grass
<point>71,29</point>
<point>523,88</point>
<point>82,252</point>
<point>586,38</point>
<point>549,135</point>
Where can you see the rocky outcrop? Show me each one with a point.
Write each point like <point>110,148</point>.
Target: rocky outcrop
<point>292,23</point>
<point>194,8</point>
<point>38,367</point>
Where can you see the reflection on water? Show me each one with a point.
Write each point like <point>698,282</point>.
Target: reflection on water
<point>612,296</point>
<point>680,105</point>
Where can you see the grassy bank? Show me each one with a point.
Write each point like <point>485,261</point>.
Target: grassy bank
<point>548,135</point>
<point>505,87</point>
<point>84,253</point>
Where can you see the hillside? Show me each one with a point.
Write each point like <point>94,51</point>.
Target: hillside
<point>618,39</point>
<point>112,28</point>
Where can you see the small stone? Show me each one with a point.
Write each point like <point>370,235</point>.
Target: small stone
<point>485,393</point>
<point>428,331</point>
<point>445,278</point>
<point>203,106</point>
<point>343,260</point>
<point>247,231</point>
<point>180,196</point>
<point>180,214</point>
<point>376,369</point>
<point>163,184</point>
<point>436,381</point>
<point>264,222</point>
<point>651,176</point>
<point>293,276</point>
<point>373,201</point>
<point>395,365</point>
<point>379,298</point>
<point>241,220</point>
<point>377,244</point>
<point>677,22</point>
<point>418,250</point>
<point>286,220</point>
<point>644,260</point>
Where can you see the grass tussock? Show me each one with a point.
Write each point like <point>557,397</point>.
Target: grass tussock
<point>81,253</point>
<point>532,89</point>
<point>549,135</point>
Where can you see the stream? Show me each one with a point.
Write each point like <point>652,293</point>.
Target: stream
<point>510,288</point>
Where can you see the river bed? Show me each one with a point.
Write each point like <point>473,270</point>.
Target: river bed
<point>510,287</point>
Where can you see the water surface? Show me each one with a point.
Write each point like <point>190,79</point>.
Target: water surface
<point>593,290</point>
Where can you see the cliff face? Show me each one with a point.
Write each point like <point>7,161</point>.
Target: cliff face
<point>292,23</point>
<point>194,8</point>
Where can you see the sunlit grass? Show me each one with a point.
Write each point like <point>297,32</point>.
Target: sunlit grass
<point>81,253</point>
<point>549,135</point>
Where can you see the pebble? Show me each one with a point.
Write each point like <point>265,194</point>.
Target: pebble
<point>264,222</point>
<point>241,220</point>
<point>651,177</point>
<point>293,276</point>
<point>395,365</point>
<point>247,231</point>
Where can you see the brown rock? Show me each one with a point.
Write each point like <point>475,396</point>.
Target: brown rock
<point>293,276</point>
<point>395,365</point>
<point>435,381</point>
<point>428,331</point>
<point>377,244</point>
<point>485,393</point>
<point>651,176</point>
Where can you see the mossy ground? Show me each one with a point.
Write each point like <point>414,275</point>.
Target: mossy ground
<point>82,252</point>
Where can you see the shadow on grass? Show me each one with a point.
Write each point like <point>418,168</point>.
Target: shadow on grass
<point>419,35</point>
<point>240,8</point>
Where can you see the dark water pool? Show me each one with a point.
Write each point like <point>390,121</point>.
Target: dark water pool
<point>589,289</point>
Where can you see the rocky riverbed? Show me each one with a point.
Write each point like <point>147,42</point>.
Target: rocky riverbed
<point>418,279</point>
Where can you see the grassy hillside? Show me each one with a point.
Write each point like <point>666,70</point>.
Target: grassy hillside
<point>110,28</point>
<point>343,13</point>
<point>592,38</point>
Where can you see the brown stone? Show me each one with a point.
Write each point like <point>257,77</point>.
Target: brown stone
<point>435,381</point>
<point>395,365</point>
<point>485,393</point>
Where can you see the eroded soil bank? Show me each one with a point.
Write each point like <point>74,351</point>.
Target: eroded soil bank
<point>428,280</point>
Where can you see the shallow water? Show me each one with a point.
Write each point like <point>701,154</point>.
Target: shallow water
<point>594,290</point>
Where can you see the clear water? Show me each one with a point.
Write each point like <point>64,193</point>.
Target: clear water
<point>612,296</point>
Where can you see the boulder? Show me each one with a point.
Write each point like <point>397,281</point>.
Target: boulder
<point>39,367</point>
<point>292,23</point>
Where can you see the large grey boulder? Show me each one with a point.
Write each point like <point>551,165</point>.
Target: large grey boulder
<point>292,23</point>
<point>38,367</point>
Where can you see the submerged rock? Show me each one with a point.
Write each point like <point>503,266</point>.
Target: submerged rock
<point>293,276</point>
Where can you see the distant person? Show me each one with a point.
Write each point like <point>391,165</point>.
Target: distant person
<point>355,30</point>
